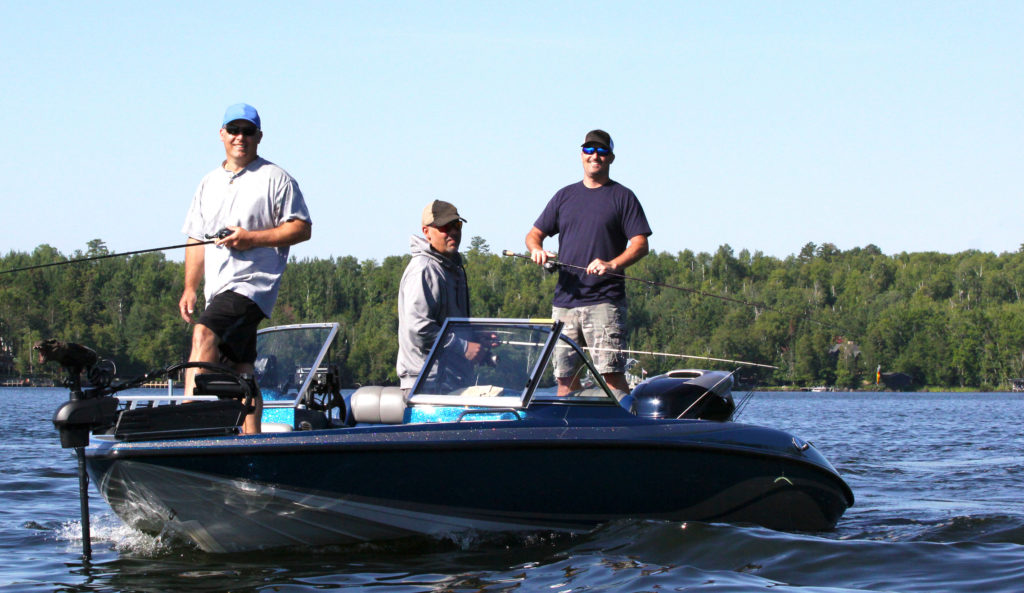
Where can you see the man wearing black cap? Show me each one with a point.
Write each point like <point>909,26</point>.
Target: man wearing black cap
<point>601,227</point>
<point>259,207</point>
<point>433,288</point>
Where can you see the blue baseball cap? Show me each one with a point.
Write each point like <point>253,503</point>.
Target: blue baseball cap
<point>241,111</point>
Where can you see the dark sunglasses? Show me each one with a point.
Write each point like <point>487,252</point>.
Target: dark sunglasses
<point>451,226</point>
<point>600,151</point>
<point>243,130</point>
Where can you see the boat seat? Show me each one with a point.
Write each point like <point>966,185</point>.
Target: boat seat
<point>275,427</point>
<point>378,405</point>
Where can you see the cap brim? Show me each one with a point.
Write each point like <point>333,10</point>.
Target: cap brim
<point>439,222</point>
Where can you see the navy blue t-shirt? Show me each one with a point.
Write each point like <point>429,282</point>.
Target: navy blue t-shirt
<point>590,224</point>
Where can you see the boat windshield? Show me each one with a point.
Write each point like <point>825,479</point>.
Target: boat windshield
<point>289,358</point>
<point>500,363</point>
<point>486,362</point>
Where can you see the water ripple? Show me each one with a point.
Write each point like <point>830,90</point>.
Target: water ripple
<point>937,479</point>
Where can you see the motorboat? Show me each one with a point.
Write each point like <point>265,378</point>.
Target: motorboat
<point>483,446</point>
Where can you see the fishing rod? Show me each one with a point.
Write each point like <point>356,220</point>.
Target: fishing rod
<point>645,353</point>
<point>210,239</point>
<point>554,263</point>
<point>672,355</point>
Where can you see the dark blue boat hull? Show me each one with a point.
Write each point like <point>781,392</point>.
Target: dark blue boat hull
<point>559,468</point>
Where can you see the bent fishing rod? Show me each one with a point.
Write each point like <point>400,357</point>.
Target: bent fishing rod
<point>210,239</point>
<point>554,263</point>
<point>673,355</point>
<point>645,353</point>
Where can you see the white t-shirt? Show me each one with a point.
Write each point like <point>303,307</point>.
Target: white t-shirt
<point>262,196</point>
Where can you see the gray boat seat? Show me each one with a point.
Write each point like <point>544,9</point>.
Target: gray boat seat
<point>275,427</point>
<point>378,405</point>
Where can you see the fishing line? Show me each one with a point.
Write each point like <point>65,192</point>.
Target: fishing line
<point>670,354</point>
<point>644,352</point>
<point>705,394</point>
<point>212,238</point>
<point>553,263</point>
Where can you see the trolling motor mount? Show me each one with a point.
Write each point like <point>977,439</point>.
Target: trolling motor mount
<point>81,415</point>
<point>85,411</point>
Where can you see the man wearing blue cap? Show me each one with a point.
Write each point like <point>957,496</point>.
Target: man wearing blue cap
<point>601,228</point>
<point>255,211</point>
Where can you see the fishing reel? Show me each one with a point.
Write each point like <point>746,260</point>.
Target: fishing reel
<point>221,234</point>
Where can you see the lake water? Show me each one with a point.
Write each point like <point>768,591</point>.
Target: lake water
<point>939,508</point>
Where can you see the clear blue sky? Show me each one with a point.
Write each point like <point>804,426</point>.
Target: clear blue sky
<point>764,125</point>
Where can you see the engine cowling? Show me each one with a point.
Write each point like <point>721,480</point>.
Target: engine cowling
<point>686,393</point>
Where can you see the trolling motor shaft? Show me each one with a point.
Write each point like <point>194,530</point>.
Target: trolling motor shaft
<point>84,412</point>
<point>75,419</point>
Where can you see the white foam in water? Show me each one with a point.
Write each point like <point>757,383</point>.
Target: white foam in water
<point>107,529</point>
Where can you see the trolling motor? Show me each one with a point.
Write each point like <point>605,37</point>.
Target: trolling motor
<point>83,412</point>
<point>96,408</point>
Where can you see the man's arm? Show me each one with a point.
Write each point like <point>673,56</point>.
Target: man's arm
<point>417,304</point>
<point>194,259</point>
<point>634,252</point>
<point>287,233</point>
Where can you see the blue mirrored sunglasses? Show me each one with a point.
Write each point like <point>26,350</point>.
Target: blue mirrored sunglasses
<point>600,151</point>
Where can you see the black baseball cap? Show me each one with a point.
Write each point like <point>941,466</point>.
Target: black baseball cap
<point>599,138</point>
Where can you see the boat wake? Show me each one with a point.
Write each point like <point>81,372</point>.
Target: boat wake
<point>108,531</point>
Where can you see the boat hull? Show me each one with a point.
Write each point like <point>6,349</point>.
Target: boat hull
<point>542,473</point>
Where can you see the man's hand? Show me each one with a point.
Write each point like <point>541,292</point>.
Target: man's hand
<point>535,243</point>
<point>474,351</point>
<point>599,267</point>
<point>239,239</point>
<point>541,256</point>
<point>480,352</point>
<point>187,305</point>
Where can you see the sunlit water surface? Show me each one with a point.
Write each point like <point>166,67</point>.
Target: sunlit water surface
<point>937,478</point>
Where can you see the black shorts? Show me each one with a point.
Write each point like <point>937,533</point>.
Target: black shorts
<point>234,319</point>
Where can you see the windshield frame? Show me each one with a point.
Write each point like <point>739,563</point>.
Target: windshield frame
<point>308,369</point>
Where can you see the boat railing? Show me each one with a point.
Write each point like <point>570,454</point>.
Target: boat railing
<point>135,401</point>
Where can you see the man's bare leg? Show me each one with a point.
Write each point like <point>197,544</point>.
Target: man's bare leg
<point>567,384</point>
<point>204,349</point>
<point>617,381</point>
<point>253,421</point>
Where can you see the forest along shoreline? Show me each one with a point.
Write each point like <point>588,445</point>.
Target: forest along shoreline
<point>828,319</point>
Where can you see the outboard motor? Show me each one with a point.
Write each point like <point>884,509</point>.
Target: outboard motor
<point>692,394</point>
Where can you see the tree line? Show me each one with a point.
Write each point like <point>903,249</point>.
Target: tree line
<point>823,317</point>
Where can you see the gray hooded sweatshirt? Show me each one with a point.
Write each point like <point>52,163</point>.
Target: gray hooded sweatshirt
<point>433,288</point>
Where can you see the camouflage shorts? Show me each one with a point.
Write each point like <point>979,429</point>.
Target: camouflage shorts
<point>602,328</point>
